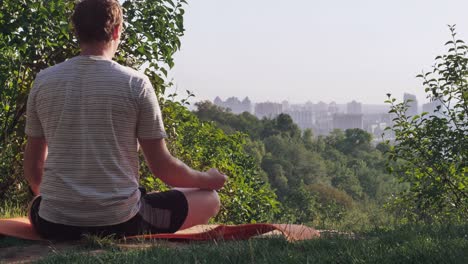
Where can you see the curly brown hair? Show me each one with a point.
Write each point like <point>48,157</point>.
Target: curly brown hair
<point>95,20</point>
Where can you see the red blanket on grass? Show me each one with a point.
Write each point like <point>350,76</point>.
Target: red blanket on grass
<point>21,228</point>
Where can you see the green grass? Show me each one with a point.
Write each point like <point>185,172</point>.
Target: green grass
<point>404,244</point>
<point>416,244</point>
<point>10,209</point>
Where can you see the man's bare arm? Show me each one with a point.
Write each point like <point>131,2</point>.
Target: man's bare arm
<point>34,159</point>
<point>176,173</point>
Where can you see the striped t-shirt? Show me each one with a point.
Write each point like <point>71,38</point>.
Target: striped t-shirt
<point>91,111</point>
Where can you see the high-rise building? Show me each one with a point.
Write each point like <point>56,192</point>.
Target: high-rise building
<point>247,105</point>
<point>354,108</point>
<point>345,121</point>
<point>309,106</point>
<point>321,107</point>
<point>285,105</point>
<point>234,104</point>
<point>323,125</point>
<point>431,108</point>
<point>332,108</point>
<point>412,104</point>
<point>217,101</point>
<point>268,109</point>
<point>302,117</point>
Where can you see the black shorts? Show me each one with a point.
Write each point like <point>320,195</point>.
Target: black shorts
<point>160,212</point>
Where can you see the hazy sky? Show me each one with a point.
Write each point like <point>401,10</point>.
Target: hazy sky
<point>300,50</point>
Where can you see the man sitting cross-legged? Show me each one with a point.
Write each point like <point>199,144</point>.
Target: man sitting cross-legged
<point>85,118</point>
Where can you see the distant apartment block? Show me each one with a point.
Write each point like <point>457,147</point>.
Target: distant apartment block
<point>333,108</point>
<point>321,107</point>
<point>302,117</point>
<point>234,104</point>
<point>323,126</point>
<point>376,123</point>
<point>347,121</point>
<point>412,104</point>
<point>286,105</point>
<point>354,108</point>
<point>268,109</point>
<point>431,108</point>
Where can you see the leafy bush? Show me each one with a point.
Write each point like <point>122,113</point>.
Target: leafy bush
<point>37,34</point>
<point>431,149</point>
<point>34,35</point>
<point>329,181</point>
<point>246,197</point>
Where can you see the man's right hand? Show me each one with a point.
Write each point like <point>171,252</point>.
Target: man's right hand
<point>215,179</point>
<point>176,173</point>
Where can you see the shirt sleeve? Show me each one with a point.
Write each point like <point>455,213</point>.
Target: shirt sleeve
<point>33,123</point>
<point>150,122</point>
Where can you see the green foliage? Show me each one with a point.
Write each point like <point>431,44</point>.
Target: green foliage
<point>37,34</point>
<point>29,41</point>
<point>152,31</point>
<point>299,205</point>
<point>431,149</point>
<point>326,181</point>
<point>355,140</point>
<point>245,198</point>
<point>228,121</point>
<point>10,209</point>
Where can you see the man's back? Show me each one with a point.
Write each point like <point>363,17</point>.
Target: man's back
<point>91,111</point>
<point>84,119</point>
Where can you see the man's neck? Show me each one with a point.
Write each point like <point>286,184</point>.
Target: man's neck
<point>105,50</point>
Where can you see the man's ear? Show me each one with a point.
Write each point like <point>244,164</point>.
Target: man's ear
<point>116,32</point>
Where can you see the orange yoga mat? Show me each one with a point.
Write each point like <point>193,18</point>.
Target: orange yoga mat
<point>21,228</point>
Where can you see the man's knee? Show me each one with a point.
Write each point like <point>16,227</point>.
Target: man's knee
<point>215,202</point>
<point>204,202</point>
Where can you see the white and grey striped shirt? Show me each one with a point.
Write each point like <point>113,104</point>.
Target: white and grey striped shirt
<point>91,111</point>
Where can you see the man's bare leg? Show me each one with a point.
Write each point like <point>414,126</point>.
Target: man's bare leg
<point>202,205</point>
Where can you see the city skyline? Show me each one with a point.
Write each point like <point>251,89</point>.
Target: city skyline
<point>405,96</point>
<point>328,50</point>
<point>322,118</point>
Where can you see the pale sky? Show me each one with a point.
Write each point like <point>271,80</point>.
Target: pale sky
<point>300,50</point>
